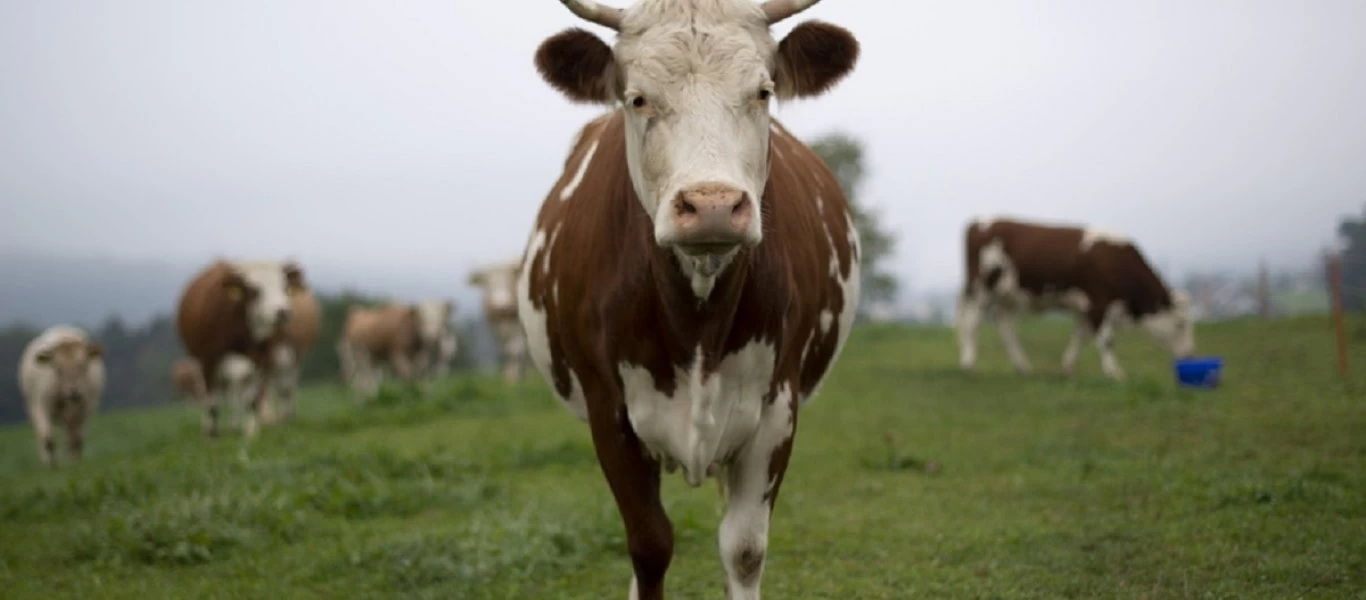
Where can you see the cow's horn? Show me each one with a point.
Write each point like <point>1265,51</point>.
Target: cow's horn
<point>593,12</point>
<point>777,10</point>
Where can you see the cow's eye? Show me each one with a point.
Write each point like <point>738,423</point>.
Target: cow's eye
<point>765,94</point>
<point>638,102</point>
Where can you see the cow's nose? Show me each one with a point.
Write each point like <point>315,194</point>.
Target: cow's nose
<point>711,217</point>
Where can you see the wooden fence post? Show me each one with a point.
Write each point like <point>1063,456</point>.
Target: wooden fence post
<point>1335,297</point>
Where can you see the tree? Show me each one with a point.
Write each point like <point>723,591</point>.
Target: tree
<point>844,155</point>
<point>1353,232</point>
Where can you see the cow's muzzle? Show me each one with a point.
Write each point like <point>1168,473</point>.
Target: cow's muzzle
<point>711,219</point>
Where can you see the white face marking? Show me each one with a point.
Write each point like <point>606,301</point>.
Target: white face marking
<point>568,191</point>
<point>499,284</point>
<point>1092,236</point>
<point>1173,328</point>
<point>433,318</point>
<point>272,295</point>
<point>705,420</point>
<point>699,68</point>
<point>827,319</point>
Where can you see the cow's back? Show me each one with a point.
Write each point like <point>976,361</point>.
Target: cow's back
<point>381,329</point>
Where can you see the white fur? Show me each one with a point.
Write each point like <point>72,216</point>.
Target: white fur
<point>43,384</point>
<point>745,524</point>
<point>706,418</point>
<point>533,323</point>
<point>268,277</point>
<point>708,126</point>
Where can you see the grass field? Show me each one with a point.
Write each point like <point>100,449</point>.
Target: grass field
<point>1041,487</point>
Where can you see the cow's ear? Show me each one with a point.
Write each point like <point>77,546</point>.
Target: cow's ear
<point>294,277</point>
<point>813,58</point>
<point>235,287</point>
<point>94,351</point>
<point>43,358</point>
<point>579,65</point>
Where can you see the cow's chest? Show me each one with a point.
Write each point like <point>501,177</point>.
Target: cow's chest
<point>706,418</point>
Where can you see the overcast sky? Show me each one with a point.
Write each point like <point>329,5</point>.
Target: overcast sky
<point>367,134</point>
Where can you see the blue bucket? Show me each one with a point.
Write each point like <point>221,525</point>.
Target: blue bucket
<point>1201,372</point>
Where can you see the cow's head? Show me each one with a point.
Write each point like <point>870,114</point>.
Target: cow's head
<point>71,362</point>
<point>261,289</point>
<point>433,319</point>
<point>695,80</point>
<point>499,285</point>
<point>1173,326</point>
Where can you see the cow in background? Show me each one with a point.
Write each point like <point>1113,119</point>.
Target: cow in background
<point>61,374</point>
<point>237,308</point>
<point>406,338</point>
<point>1102,278</point>
<point>498,285</point>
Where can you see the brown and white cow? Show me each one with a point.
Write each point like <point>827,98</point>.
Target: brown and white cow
<point>402,337</point>
<point>498,284</point>
<point>237,308</point>
<point>694,272</point>
<point>1101,278</point>
<point>61,375</point>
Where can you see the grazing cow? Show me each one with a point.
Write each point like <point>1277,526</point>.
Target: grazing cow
<point>300,333</point>
<point>694,272</point>
<point>1101,278</point>
<point>402,337</point>
<point>499,286</point>
<point>61,375</point>
<point>237,307</point>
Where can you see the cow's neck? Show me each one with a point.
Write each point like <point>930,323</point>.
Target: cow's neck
<point>699,320</point>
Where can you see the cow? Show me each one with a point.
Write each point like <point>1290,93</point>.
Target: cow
<point>498,284</point>
<point>301,331</point>
<point>61,375</point>
<point>693,274</point>
<point>403,337</point>
<point>1101,278</point>
<point>237,307</point>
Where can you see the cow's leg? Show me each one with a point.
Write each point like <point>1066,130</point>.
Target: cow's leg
<point>256,405</point>
<point>1105,342</point>
<point>75,437</point>
<point>1079,335</point>
<point>42,433</point>
<point>286,383</point>
<point>1005,324</point>
<point>634,480</point>
<point>970,307</point>
<point>751,488</point>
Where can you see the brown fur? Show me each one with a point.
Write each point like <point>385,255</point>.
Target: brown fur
<point>578,64</point>
<point>1049,258</point>
<point>813,58</point>
<point>212,324</point>
<point>386,334</point>
<point>622,298</point>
